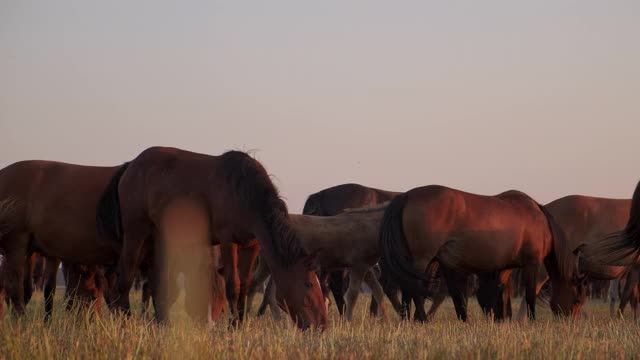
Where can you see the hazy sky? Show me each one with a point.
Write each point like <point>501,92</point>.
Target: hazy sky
<point>484,96</point>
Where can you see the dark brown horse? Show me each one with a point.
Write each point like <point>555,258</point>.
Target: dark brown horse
<point>50,207</point>
<point>466,233</point>
<point>169,198</point>
<point>585,222</point>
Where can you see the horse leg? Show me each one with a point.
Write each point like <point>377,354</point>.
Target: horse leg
<point>260,275</point>
<point>336,284</point>
<point>265,298</point>
<point>377,294</point>
<point>14,260</point>
<point>51,267</point>
<point>529,274</point>
<point>198,281</point>
<point>356,275</point>
<point>405,305</point>
<point>146,296</point>
<point>273,304</point>
<point>613,296</point>
<point>231,277</point>
<point>392,294</point>
<point>246,261</point>
<point>437,300</point>
<point>503,310</point>
<point>162,283</point>
<point>29,268</point>
<point>457,284</point>
<point>135,237</point>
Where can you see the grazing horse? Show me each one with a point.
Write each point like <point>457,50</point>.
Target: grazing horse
<point>585,221</point>
<point>333,201</point>
<point>466,233</point>
<point>348,240</point>
<point>168,198</point>
<point>50,207</point>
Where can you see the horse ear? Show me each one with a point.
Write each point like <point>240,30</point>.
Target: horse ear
<point>311,261</point>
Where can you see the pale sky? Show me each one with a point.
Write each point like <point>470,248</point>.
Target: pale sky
<point>484,96</point>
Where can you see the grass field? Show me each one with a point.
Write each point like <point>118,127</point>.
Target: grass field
<point>109,337</point>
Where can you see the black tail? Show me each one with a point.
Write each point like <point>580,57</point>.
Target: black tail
<point>395,260</point>
<point>566,259</point>
<point>108,217</point>
<point>620,248</point>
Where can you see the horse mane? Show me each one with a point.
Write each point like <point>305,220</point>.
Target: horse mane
<point>367,209</point>
<point>108,215</point>
<point>251,186</point>
<point>620,248</point>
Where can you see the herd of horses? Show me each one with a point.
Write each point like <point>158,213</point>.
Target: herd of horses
<point>221,222</point>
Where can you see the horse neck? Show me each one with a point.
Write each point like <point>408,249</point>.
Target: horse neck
<point>271,251</point>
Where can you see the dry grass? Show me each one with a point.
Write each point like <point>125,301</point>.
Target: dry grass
<point>80,336</point>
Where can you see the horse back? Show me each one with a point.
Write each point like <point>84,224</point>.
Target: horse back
<point>454,224</point>
<point>334,200</point>
<point>586,219</point>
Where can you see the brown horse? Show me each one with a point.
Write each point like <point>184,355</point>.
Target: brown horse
<point>50,207</point>
<point>467,233</point>
<point>222,199</point>
<point>585,221</point>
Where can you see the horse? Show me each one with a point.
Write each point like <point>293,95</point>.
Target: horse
<point>585,221</point>
<point>332,201</point>
<point>467,233</point>
<point>348,240</point>
<point>50,207</point>
<point>226,200</point>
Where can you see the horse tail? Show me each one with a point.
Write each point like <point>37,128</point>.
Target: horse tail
<point>108,215</point>
<point>621,248</point>
<point>566,259</point>
<point>7,213</point>
<point>395,260</point>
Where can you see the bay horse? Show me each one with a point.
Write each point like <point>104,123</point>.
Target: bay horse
<point>226,200</point>
<point>50,207</point>
<point>467,233</point>
<point>585,221</point>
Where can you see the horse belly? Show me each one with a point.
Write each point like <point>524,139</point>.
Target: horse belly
<point>480,252</point>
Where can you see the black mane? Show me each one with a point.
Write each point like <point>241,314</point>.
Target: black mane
<point>252,187</point>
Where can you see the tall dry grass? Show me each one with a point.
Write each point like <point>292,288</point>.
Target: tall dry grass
<point>78,335</point>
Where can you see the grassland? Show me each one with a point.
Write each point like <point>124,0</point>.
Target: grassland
<point>78,335</point>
